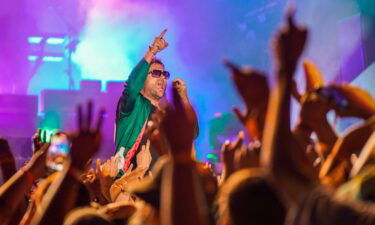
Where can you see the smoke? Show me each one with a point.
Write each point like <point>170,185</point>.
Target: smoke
<point>115,36</point>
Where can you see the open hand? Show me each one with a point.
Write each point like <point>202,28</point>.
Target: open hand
<point>87,141</point>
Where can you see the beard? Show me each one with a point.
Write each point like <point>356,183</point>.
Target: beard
<point>158,92</point>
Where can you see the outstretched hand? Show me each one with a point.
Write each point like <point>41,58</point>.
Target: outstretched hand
<point>87,141</point>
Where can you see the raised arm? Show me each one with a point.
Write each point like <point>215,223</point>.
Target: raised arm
<point>281,154</point>
<point>182,195</point>
<point>13,191</point>
<point>7,161</point>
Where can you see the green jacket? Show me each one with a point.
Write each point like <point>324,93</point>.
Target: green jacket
<point>133,109</point>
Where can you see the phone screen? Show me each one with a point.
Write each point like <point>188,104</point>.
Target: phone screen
<point>58,152</point>
<point>59,144</point>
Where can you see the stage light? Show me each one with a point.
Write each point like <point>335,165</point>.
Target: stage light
<point>46,58</point>
<point>212,157</point>
<point>34,39</point>
<point>55,41</point>
<point>53,58</point>
<point>32,57</point>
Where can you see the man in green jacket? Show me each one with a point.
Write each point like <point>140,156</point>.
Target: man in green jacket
<point>143,91</point>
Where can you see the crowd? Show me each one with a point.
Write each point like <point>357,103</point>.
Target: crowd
<point>306,175</point>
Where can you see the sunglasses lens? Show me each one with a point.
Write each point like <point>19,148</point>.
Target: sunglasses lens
<point>156,73</point>
<point>166,75</point>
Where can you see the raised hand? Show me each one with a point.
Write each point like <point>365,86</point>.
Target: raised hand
<point>180,87</point>
<point>290,43</point>
<point>314,110</point>
<point>159,43</point>
<point>156,135</point>
<point>178,126</point>
<point>228,152</point>
<point>144,157</point>
<point>248,157</point>
<point>314,78</point>
<point>106,175</point>
<point>254,90</point>
<point>87,141</point>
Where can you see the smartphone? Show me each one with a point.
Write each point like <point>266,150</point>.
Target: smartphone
<point>331,94</point>
<point>58,151</point>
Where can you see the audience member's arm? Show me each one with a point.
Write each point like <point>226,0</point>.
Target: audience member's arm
<point>280,153</point>
<point>351,142</point>
<point>12,193</point>
<point>7,161</point>
<point>182,195</point>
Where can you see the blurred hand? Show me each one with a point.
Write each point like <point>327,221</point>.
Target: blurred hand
<point>178,126</point>
<point>38,138</point>
<point>360,102</point>
<point>254,90</point>
<point>156,135</point>
<point>248,157</point>
<point>228,152</point>
<point>180,87</point>
<point>314,78</point>
<point>106,175</point>
<point>87,141</point>
<point>314,110</point>
<point>290,43</point>
<point>144,157</point>
<point>159,43</point>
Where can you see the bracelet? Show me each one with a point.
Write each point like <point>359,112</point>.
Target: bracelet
<point>29,176</point>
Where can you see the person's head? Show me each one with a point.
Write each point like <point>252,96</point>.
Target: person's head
<point>156,81</point>
<point>248,198</point>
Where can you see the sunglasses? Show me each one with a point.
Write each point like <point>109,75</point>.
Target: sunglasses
<point>158,73</point>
